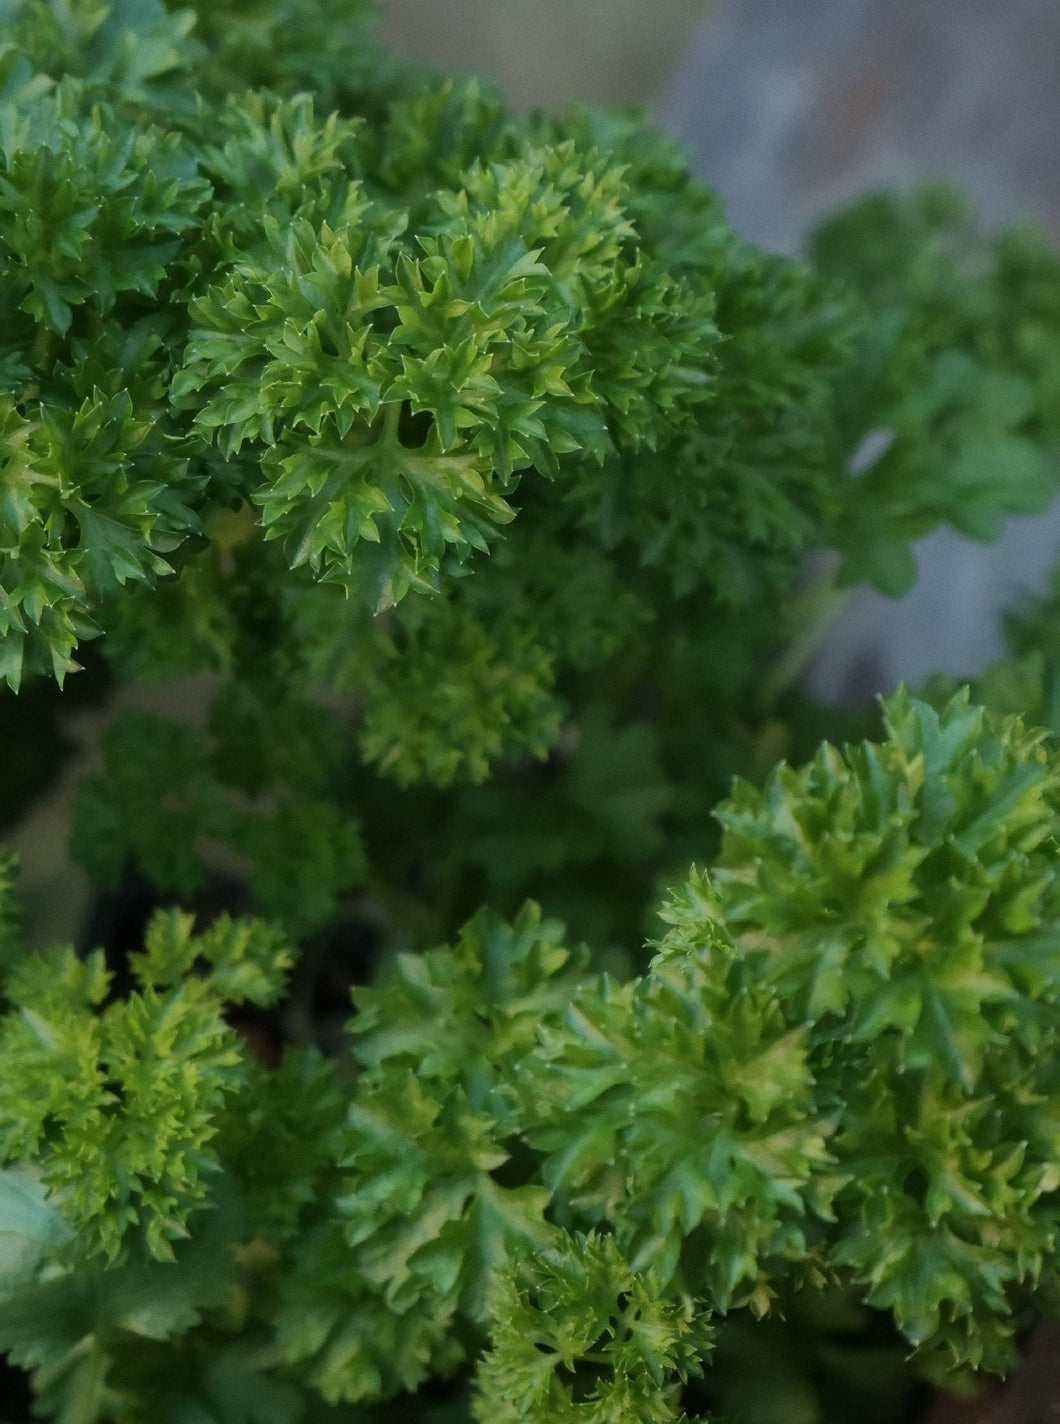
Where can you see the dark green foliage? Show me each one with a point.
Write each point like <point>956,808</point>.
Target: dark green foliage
<point>450,479</point>
<point>287,47</point>
<point>225,784</point>
<point>9,919</point>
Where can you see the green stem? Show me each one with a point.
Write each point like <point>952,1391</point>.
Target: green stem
<point>813,612</point>
<point>391,421</point>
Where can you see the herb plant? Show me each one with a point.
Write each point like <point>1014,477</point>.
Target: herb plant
<point>469,468</point>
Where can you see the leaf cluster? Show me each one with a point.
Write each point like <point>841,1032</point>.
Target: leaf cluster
<point>467,466</point>
<point>838,1069</point>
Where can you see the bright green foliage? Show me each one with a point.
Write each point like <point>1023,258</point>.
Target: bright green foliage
<point>681,1105</point>
<point>117,1102</point>
<point>93,211</point>
<point>820,1071</point>
<point>422,1222</point>
<point>958,376</point>
<point>605,1344</point>
<point>431,721</point>
<point>80,198</point>
<point>422,1229</point>
<point>498,319</point>
<point>153,1106</point>
<point>494,987</point>
<point>840,1067</point>
<point>918,951</point>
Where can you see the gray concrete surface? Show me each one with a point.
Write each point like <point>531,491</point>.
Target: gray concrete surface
<point>791,106</point>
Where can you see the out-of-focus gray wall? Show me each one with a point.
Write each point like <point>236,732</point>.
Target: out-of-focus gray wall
<point>793,107</point>
<point>550,52</point>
